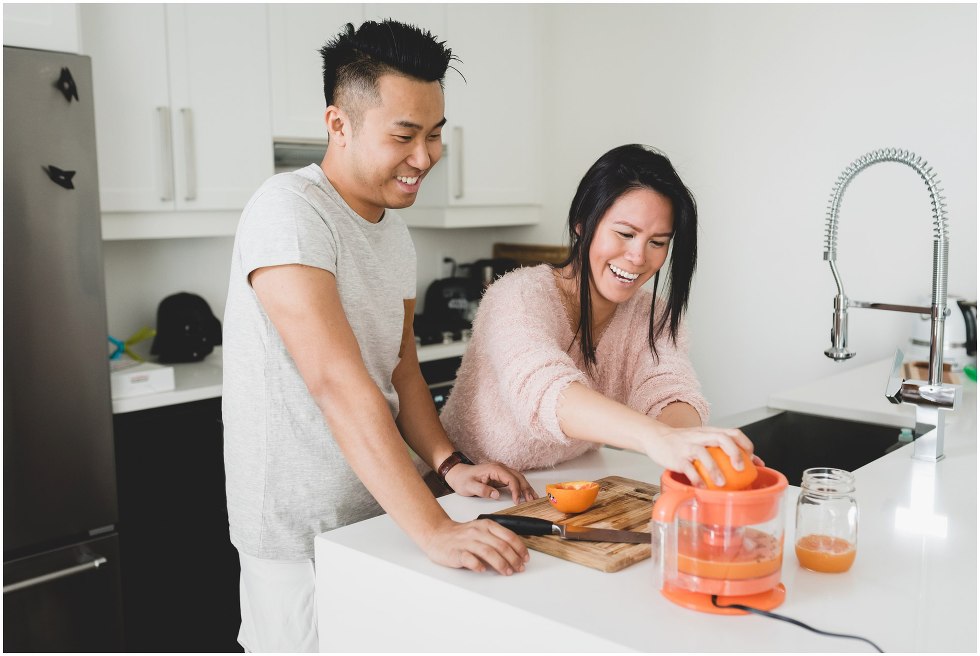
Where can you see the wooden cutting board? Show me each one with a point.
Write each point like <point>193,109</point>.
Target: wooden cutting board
<point>622,504</point>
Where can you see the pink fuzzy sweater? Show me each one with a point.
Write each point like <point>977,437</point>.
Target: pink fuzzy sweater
<point>503,406</point>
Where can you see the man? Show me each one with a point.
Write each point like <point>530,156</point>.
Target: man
<point>322,387</point>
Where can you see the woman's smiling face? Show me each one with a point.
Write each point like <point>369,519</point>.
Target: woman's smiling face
<point>630,245</point>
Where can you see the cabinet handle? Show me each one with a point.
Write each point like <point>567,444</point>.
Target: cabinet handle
<point>458,153</point>
<point>51,576</point>
<point>190,162</point>
<point>166,154</point>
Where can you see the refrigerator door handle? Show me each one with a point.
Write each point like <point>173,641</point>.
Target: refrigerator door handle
<point>95,563</point>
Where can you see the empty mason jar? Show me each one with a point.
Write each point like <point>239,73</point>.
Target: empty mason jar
<point>826,520</point>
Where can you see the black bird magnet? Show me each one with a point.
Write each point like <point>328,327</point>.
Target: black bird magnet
<point>66,85</point>
<point>62,178</point>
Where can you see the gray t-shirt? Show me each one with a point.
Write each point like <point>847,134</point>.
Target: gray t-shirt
<point>286,478</point>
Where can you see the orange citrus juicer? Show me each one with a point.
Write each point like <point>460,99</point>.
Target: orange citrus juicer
<point>720,542</point>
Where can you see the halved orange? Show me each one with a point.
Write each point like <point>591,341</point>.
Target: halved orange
<point>572,496</point>
<point>734,479</point>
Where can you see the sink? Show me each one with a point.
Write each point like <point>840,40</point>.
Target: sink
<point>793,441</point>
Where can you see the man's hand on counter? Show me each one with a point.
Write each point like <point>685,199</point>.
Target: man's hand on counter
<point>485,480</point>
<point>476,545</point>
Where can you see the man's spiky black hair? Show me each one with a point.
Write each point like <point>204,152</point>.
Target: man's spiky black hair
<point>359,57</point>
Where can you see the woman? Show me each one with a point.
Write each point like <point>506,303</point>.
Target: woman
<point>566,358</point>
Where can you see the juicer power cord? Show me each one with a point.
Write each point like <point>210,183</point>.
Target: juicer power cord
<point>758,611</point>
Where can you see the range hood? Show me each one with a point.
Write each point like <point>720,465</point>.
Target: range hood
<point>292,154</point>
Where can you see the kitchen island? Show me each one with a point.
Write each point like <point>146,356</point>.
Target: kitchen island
<point>913,586</point>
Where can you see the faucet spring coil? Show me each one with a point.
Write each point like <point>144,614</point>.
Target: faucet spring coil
<point>926,172</point>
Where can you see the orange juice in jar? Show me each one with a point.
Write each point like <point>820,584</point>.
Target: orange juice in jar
<point>822,553</point>
<point>826,520</point>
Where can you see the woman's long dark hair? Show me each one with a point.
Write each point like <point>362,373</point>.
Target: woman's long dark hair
<point>619,171</point>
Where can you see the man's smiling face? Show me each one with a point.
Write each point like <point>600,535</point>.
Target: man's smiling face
<point>394,145</point>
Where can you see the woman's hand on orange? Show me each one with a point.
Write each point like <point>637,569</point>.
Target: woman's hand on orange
<point>679,448</point>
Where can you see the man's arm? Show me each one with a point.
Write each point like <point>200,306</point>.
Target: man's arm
<point>304,305</point>
<point>417,417</point>
<point>419,424</point>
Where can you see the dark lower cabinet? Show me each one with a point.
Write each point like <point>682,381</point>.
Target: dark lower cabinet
<point>179,569</point>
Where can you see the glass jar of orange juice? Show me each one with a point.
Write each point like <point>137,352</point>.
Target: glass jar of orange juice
<point>826,520</point>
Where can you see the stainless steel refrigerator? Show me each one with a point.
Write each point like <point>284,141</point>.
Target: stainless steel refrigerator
<point>61,588</point>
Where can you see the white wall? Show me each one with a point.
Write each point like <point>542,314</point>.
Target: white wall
<point>761,107</point>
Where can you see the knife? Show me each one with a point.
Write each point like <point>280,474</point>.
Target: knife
<point>535,526</point>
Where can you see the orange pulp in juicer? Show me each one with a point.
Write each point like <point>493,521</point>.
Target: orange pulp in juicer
<point>754,554</point>
<point>822,553</point>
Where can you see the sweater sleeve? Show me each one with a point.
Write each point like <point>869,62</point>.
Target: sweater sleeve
<point>522,356</point>
<point>670,377</point>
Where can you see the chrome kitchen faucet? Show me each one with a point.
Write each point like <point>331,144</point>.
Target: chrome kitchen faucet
<point>928,397</point>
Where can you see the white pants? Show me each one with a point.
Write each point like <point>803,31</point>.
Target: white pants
<point>278,599</point>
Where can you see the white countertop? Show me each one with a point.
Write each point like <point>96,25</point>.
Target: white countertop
<point>196,381</point>
<point>913,586</point>
<point>193,381</point>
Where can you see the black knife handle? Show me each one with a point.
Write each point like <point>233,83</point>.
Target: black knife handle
<point>522,525</point>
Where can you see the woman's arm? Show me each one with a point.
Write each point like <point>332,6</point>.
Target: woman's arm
<point>550,399</point>
<point>679,415</point>
<point>585,414</point>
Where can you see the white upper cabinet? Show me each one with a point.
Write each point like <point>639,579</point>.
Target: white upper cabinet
<point>183,119</point>
<point>490,171</point>
<point>296,34</point>
<point>493,117</point>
